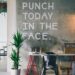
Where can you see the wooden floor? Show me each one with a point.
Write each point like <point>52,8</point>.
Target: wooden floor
<point>4,73</point>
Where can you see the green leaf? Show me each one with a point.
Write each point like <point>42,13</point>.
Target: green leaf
<point>15,59</point>
<point>18,40</point>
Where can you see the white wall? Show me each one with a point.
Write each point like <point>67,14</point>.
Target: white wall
<point>11,27</point>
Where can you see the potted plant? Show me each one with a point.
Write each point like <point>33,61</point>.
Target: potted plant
<point>17,43</point>
<point>15,60</point>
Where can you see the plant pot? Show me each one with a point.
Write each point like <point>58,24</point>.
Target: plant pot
<point>23,71</point>
<point>15,72</point>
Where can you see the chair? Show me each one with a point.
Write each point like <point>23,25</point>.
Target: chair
<point>49,61</point>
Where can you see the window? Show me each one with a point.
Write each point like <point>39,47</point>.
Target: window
<point>3,29</point>
<point>3,36</point>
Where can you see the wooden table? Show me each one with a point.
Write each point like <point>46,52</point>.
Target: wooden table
<point>59,56</point>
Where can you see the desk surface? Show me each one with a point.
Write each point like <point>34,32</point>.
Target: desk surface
<point>43,54</point>
<point>61,57</point>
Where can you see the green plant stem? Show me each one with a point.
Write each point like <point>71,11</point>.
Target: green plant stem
<point>18,57</point>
